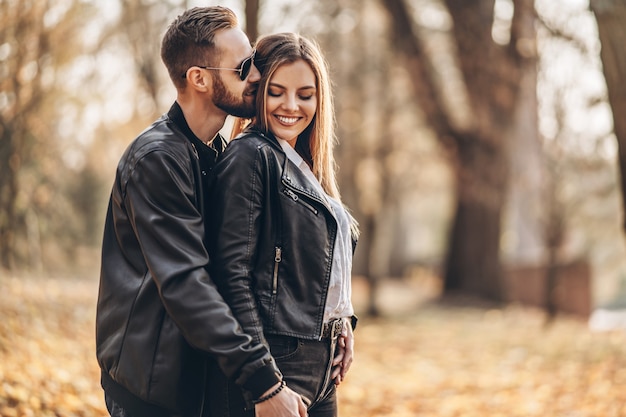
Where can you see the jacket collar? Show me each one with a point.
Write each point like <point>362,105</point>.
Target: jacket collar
<point>291,175</point>
<point>175,114</point>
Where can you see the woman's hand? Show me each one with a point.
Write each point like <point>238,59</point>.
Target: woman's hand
<point>345,353</point>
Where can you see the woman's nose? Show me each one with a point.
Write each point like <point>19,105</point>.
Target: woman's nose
<point>290,102</point>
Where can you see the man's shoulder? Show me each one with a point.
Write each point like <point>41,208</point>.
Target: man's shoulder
<point>160,136</point>
<point>158,143</point>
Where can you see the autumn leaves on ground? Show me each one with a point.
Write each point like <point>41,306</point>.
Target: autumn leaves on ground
<point>429,360</point>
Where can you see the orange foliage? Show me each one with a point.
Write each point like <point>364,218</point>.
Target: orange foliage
<point>435,362</point>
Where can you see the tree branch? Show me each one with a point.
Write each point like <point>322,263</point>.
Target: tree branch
<point>407,42</point>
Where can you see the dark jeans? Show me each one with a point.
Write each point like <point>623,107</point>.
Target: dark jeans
<point>306,367</point>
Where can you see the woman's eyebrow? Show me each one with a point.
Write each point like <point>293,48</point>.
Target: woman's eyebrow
<point>306,87</point>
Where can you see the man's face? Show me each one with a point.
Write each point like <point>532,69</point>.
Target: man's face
<point>234,101</point>
<point>230,93</point>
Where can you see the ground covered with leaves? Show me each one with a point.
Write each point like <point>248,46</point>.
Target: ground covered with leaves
<point>440,360</point>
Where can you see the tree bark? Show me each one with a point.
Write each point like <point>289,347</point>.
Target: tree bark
<point>610,16</point>
<point>472,265</point>
<point>252,19</point>
<point>491,76</point>
<point>21,24</point>
<point>9,162</point>
<point>29,122</point>
<point>141,26</point>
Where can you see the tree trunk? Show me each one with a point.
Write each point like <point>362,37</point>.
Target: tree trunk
<point>472,263</point>
<point>524,219</point>
<point>491,77</point>
<point>9,163</point>
<point>366,142</point>
<point>611,15</point>
<point>252,19</point>
<point>368,229</point>
<point>141,25</point>
<point>20,24</point>
<point>29,122</point>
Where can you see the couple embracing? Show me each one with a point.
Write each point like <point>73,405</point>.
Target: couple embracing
<point>225,278</point>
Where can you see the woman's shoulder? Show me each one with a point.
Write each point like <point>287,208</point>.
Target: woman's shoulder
<point>249,149</point>
<point>250,141</point>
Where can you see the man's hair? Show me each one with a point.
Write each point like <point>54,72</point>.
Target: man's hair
<point>189,39</point>
<point>316,143</point>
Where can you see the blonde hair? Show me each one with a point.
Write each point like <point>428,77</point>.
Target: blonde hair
<point>316,143</point>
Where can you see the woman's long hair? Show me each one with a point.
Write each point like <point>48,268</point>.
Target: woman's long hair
<point>315,144</point>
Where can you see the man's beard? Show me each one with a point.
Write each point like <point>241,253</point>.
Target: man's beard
<point>228,102</point>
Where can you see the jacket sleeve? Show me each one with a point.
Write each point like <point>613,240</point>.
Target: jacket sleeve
<point>241,188</point>
<point>161,200</point>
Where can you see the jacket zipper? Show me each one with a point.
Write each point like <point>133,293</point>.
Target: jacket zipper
<point>297,199</point>
<point>277,258</point>
<point>333,236</point>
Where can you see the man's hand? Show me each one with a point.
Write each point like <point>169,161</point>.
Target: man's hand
<point>345,354</point>
<point>286,403</point>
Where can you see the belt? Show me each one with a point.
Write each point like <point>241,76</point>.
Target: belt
<point>332,329</point>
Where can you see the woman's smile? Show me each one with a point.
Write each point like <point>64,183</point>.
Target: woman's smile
<point>287,120</point>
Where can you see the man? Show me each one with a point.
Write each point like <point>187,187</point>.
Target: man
<point>159,317</point>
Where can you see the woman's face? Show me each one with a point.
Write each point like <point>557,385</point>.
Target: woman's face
<point>291,101</point>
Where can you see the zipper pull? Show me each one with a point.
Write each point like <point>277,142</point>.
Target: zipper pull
<point>278,256</point>
<point>291,194</point>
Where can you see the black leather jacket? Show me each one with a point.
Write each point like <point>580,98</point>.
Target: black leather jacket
<point>159,315</point>
<point>273,238</point>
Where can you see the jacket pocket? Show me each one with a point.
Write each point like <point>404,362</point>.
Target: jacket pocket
<point>298,200</point>
<point>282,347</point>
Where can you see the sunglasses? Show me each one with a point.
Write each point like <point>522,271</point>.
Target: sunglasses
<point>243,70</point>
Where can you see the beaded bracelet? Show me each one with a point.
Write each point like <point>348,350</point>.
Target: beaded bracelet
<point>282,385</point>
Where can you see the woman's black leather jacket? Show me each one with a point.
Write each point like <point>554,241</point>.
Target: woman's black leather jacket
<point>273,237</point>
<point>160,317</point>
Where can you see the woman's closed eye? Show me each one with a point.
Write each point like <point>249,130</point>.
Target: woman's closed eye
<point>278,93</point>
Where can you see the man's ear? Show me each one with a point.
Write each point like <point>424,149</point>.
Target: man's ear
<point>199,80</point>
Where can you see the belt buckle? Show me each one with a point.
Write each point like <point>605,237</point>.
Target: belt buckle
<point>338,326</point>
<point>335,328</point>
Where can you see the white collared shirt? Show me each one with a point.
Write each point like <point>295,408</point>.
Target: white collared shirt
<point>339,298</point>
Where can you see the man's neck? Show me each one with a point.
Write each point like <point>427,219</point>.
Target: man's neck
<point>203,121</point>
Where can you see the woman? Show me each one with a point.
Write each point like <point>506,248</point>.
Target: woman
<point>283,253</point>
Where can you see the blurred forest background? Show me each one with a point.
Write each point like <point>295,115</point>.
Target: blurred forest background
<point>477,144</point>
<point>480,148</point>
